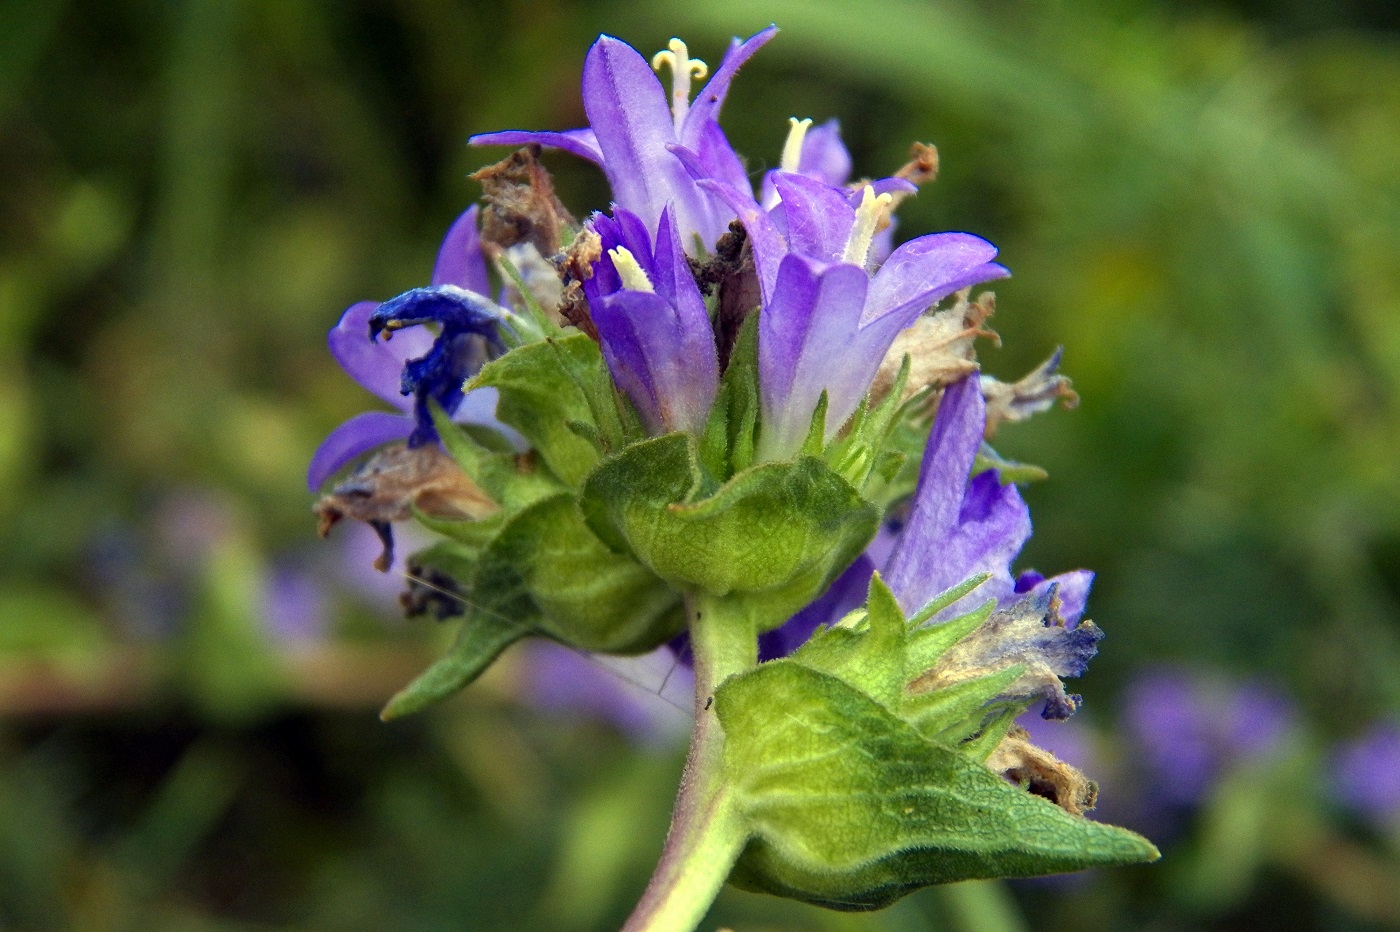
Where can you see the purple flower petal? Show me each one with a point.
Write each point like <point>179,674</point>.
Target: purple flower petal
<point>1366,773</point>
<point>376,365</point>
<point>674,280</point>
<point>927,269</point>
<point>1073,588</point>
<point>661,357</point>
<point>361,433</point>
<point>806,338</point>
<point>294,605</point>
<point>720,161</point>
<point>580,142</point>
<point>938,497</point>
<point>844,595</point>
<point>819,218</point>
<point>824,155</point>
<point>706,106</point>
<point>459,260</point>
<point>628,110</point>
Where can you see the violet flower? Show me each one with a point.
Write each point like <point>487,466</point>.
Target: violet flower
<point>633,129</point>
<point>1366,774</point>
<point>1188,730</point>
<point>414,367</point>
<point>958,529</point>
<point>655,332</point>
<point>827,321</point>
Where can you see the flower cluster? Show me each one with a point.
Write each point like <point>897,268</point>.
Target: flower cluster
<point>745,422</point>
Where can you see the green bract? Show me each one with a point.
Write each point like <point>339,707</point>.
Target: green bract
<point>780,531</point>
<point>855,791</point>
<point>850,807</point>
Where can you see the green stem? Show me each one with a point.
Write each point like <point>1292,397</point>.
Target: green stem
<point>706,833</point>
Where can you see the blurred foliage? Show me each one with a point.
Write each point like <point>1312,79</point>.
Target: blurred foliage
<point>1200,201</point>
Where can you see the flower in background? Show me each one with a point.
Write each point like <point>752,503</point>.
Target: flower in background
<point>294,604</point>
<point>414,366</point>
<point>648,698</point>
<point>1366,774</point>
<point>1188,730</point>
<point>634,126</point>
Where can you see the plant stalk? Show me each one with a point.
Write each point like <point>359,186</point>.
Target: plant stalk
<point>706,834</point>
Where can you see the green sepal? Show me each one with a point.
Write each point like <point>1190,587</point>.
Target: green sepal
<point>927,643</point>
<point>475,535</point>
<point>731,433</point>
<point>849,807</point>
<point>861,453</point>
<point>777,529</point>
<point>540,325</point>
<point>947,598</point>
<point>546,385</point>
<point>866,652</point>
<point>539,572</point>
<point>982,744</point>
<point>879,652</point>
<point>816,434</point>
<point>479,642</point>
<point>512,480</point>
<point>963,704</point>
<point>1008,471</point>
<point>894,461</point>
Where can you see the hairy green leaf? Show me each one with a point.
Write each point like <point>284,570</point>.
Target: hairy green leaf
<point>849,807</point>
<point>544,386</point>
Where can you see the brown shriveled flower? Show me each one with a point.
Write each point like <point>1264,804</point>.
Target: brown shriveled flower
<point>1042,773</point>
<point>394,482</point>
<point>521,206</point>
<point>1035,392</point>
<point>577,268</point>
<point>939,346</point>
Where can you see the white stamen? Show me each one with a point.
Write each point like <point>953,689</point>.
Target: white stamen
<point>792,148</point>
<point>634,277</point>
<point>869,214</point>
<point>683,69</point>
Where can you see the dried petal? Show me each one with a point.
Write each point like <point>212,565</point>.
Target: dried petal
<point>390,485</point>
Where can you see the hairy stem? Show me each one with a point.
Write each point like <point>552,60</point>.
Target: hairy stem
<point>706,834</point>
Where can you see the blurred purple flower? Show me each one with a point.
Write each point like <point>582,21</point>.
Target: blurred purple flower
<point>413,367</point>
<point>294,606</point>
<point>1366,774</point>
<point>1187,730</point>
<point>633,129</point>
<point>648,698</point>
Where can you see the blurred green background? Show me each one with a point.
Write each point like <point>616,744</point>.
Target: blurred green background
<point>1201,201</point>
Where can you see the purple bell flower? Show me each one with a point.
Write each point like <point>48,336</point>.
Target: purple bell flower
<point>960,528</point>
<point>655,332</point>
<point>438,367</point>
<point>828,317</point>
<point>634,125</point>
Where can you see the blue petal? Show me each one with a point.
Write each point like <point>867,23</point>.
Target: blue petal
<point>468,336</point>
